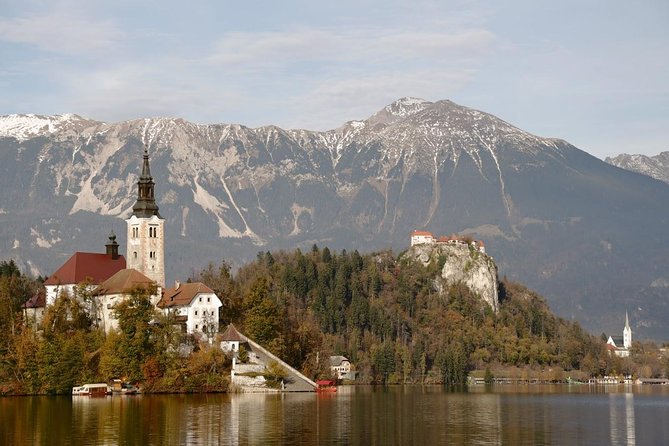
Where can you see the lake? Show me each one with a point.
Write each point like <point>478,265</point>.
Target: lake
<point>356,415</point>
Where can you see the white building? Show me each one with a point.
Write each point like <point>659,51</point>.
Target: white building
<point>341,367</point>
<point>116,289</point>
<point>621,345</point>
<point>195,305</point>
<point>87,269</point>
<point>420,237</point>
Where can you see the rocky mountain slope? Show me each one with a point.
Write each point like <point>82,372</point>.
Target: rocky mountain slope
<point>654,166</point>
<point>589,236</point>
<point>462,263</point>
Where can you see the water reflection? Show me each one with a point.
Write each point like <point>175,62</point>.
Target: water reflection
<point>354,415</point>
<point>621,409</point>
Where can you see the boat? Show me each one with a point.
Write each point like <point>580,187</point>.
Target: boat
<point>123,388</point>
<point>326,385</point>
<point>95,389</point>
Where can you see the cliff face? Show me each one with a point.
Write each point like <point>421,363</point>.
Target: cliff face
<point>463,264</point>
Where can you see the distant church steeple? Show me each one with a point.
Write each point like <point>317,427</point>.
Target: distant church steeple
<point>627,333</point>
<point>146,243</point>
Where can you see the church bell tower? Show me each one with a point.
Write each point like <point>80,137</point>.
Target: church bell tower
<point>627,333</point>
<point>146,241</point>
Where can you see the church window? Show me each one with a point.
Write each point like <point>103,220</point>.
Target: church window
<point>208,299</point>
<point>195,312</point>
<point>196,326</point>
<point>134,254</point>
<point>135,232</point>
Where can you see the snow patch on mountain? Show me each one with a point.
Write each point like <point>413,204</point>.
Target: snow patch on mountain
<point>24,127</point>
<point>654,166</point>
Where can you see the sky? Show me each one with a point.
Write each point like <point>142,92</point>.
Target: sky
<point>595,73</point>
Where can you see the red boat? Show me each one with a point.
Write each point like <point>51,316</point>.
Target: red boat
<point>326,385</point>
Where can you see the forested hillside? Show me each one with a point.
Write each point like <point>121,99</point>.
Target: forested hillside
<point>395,319</point>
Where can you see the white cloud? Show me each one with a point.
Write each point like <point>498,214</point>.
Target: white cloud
<point>60,33</point>
<point>249,51</point>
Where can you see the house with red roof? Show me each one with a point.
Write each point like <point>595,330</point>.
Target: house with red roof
<point>195,306</point>
<point>84,268</point>
<point>420,237</point>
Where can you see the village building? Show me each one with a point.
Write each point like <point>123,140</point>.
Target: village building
<point>195,306</point>
<point>33,309</point>
<point>421,237</point>
<point>117,288</point>
<point>84,268</point>
<point>425,237</point>
<point>621,345</point>
<point>341,368</point>
<point>249,370</point>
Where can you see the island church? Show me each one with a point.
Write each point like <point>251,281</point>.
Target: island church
<point>110,276</point>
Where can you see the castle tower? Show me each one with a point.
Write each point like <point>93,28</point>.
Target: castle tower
<point>146,242</point>
<point>627,333</point>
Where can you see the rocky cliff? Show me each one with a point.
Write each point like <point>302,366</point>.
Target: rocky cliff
<point>462,263</point>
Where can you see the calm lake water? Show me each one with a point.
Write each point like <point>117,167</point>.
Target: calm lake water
<point>360,415</point>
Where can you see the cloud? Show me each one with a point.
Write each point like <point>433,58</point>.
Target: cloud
<point>340,100</point>
<point>60,33</point>
<point>258,51</point>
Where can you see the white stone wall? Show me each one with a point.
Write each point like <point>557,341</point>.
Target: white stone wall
<point>146,248</point>
<point>419,239</point>
<point>53,291</point>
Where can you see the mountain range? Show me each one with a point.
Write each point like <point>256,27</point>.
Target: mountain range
<point>654,166</point>
<point>589,236</point>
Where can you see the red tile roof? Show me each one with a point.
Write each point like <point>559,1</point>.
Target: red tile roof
<point>38,300</point>
<point>429,234</point>
<point>123,282</point>
<point>86,265</point>
<point>183,294</point>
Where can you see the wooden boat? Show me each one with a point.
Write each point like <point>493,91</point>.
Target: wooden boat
<point>326,385</point>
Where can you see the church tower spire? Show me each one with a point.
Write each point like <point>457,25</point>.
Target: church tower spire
<point>146,205</point>
<point>627,333</point>
<point>146,243</point>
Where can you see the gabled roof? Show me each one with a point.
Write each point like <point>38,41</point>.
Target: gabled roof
<point>335,361</point>
<point>86,265</point>
<point>618,341</point>
<point>425,233</point>
<point>183,294</point>
<point>231,334</point>
<point>38,300</point>
<point>123,281</point>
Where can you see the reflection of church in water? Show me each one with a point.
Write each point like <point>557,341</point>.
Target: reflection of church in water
<point>621,345</point>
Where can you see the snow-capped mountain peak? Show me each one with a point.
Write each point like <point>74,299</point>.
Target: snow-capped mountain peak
<point>27,126</point>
